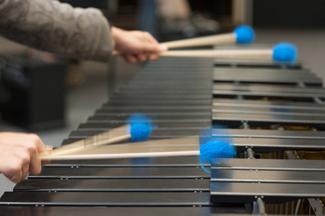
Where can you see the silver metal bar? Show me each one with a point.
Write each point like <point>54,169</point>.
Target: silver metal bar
<point>269,176</point>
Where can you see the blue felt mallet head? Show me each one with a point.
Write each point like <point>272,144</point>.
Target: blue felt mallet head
<point>140,127</point>
<point>244,34</point>
<point>214,147</point>
<point>285,53</point>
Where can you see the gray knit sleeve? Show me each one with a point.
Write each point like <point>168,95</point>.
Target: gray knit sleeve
<point>57,27</point>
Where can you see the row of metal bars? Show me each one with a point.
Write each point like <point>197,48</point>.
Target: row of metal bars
<point>315,206</point>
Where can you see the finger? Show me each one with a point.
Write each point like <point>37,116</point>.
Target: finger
<point>39,143</point>
<point>16,177</point>
<point>150,48</point>
<point>21,165</point>
<point>48,149</point>
<point>25,171</point>
<point>35,164</point>
<point>137,57</point>
<point>142,57</point>
<point>159,48</point>
<point>149,44</point>
<point>130,58</point>
<point>153,57</point>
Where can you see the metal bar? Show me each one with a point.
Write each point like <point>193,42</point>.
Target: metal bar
<point>271,164</point>
<point>267,76</point>
<point>271,104</point>
<point>121,172</point>
<point>270,176</point>
<point>113,185</point>
<point>118,211</point>
<point>262,94</point>
<point>267,119</point>
<point>141,199</point>
<point>267,88</point>
<point>234,192</point>
<point>264,110</point>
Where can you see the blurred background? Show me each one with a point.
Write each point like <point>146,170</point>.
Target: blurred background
<point>50,95</point>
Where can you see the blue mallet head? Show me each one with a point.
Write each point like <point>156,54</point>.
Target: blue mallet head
<point>244,34</point>
<point>285,53</point>
<point>214,147</point>
<point>140,127</point>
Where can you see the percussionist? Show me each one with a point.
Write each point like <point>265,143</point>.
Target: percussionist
<point>74,32</point>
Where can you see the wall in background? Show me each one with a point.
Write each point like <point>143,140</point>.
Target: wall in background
<point>289,13</point>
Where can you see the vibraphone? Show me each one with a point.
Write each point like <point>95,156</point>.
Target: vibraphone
<point>274,115</point>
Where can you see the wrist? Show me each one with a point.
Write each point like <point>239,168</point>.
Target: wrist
<point>116,34</point>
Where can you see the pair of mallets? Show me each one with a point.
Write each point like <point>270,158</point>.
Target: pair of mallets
<point>139,128</point>
<point>281,52</point>
<point>112,145</point>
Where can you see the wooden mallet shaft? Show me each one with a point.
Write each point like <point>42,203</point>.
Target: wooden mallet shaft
<point>222,54</point>
<point>139,128</point>
<point>202,41</point>
<point>241,35</point>
<point>110,137</point>
<point>185,146</point>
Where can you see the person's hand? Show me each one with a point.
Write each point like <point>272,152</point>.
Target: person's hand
<point>136,46</point>
<point>19,155</point>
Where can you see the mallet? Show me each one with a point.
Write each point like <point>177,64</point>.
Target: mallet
<point>210,149</point>
<point>241,35</point>
<point>139,128</point>
<point>281,52</point>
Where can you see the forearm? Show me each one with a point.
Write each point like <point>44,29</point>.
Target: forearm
<point>57,27</point>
